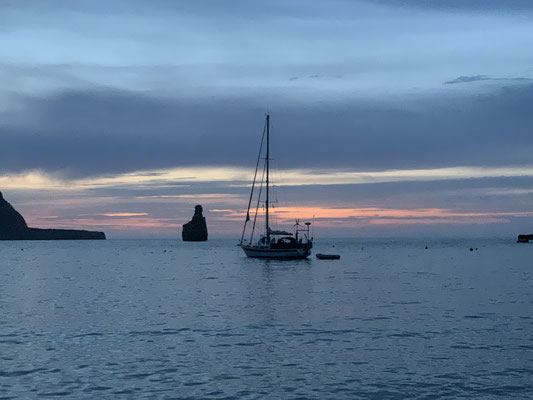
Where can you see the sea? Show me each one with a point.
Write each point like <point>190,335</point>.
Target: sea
<point>164,319</point>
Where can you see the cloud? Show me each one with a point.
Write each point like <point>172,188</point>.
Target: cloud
<point>124,214</point>
<point>263,42</point>
<point>365,208</point>
<point>240,177</point>
<point>477,78</point>
<point>507,6</point>
<point>94,132</point>
<point>258,10</point>
<point>463,79</point>
<point>288,214</point>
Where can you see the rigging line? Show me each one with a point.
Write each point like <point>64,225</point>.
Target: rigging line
<point>257,206</point>
<point>253,184</point>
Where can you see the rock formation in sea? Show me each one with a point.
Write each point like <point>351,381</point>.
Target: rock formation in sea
<point>524,238</point>
<point>196,229</point>
<point>14,227</point>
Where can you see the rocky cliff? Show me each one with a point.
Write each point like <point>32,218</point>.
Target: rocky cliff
<point>196,229</point>
<point>11,222</point>
<point>14,227</point>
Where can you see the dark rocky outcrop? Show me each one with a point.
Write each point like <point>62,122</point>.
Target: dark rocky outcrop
<point>524,238</point>
<point>63,234</point>
<point>14,227</point>
<point>196,229</point>
<point>11,222</point>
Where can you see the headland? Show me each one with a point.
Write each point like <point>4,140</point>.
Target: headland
<point>13,226</point>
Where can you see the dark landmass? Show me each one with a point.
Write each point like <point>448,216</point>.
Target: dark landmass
<point>524,238</point>
<point>196,229</point>
<point>14,227</point>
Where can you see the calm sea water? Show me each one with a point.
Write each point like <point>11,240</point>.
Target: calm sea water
<point>167,319</point>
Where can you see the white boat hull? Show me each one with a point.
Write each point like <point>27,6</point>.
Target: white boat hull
<point>265,252</point>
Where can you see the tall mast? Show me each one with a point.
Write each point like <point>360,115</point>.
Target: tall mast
<point>267,177</point>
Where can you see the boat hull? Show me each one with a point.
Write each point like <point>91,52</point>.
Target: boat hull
<point>265,252</point>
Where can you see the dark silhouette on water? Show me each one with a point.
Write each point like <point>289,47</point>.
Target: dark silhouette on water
<point>196,229</point>
<point>14,227</point>
<point>328,256</point>
<point>524,238</point>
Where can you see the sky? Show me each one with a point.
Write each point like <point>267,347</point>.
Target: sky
<point>389,118</point>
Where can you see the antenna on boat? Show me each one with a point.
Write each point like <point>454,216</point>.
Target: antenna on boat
<point>297,225</point>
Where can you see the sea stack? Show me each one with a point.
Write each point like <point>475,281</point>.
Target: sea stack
<point>14,227</point>
<point>196,229</point>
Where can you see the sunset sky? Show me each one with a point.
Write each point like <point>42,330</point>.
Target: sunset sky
<point>389,118</point>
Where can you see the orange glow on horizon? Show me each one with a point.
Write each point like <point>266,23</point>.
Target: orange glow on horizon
<point>377,216</point>
<point>231,220</point>
<point>124,214</point>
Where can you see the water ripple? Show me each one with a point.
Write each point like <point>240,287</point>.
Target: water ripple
<point>20,372</point>
<point>124,319</point>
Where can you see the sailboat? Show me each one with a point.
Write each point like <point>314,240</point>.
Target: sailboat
<point>271,243</point>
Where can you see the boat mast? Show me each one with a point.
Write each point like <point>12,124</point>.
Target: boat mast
<point>267,175</point>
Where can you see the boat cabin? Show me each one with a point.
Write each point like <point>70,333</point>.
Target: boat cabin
<point>287,242</point>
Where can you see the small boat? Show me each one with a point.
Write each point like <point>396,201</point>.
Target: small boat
<point>328,256</point>
<point>524,238</point>
<point>276,244</point>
